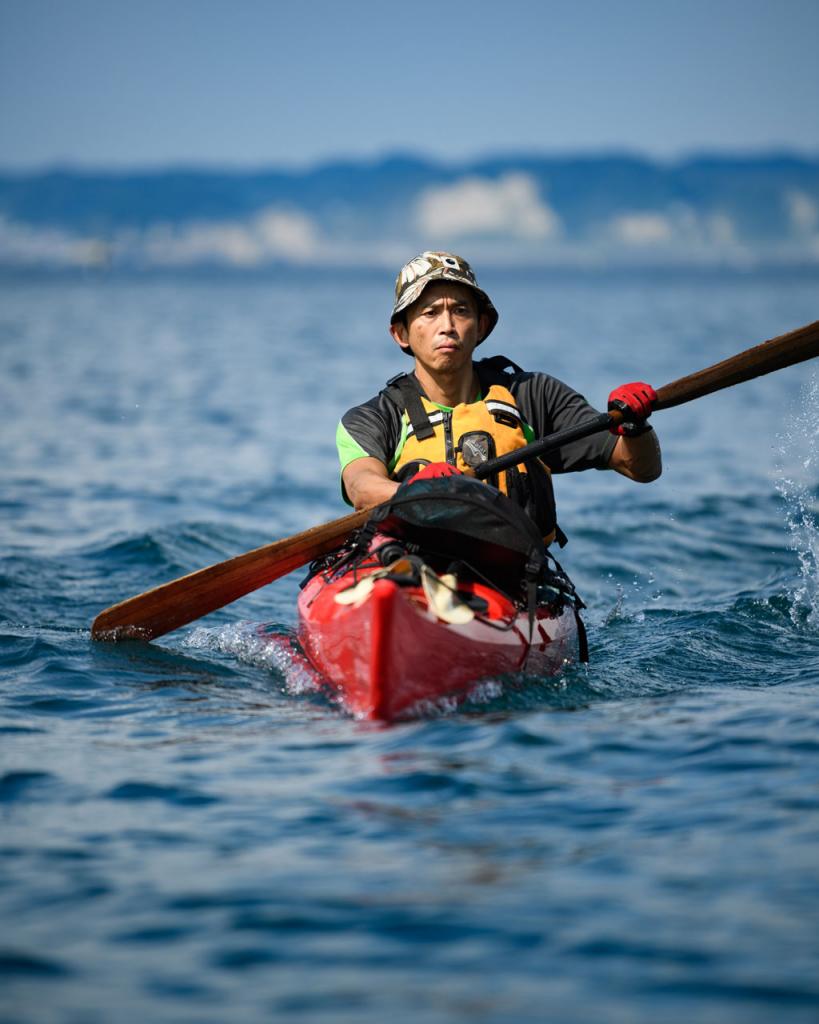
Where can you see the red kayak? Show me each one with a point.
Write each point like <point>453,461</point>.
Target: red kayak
<point>425,603</point>
<point>389,652</point>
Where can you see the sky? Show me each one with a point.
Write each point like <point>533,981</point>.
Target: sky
<point>152,83</point>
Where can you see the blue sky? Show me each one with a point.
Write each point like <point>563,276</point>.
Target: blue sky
<point>246,83</point>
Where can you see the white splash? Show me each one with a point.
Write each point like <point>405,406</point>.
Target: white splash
<point>799,451</point>
<point>251,644</point>
<point>616,612</point>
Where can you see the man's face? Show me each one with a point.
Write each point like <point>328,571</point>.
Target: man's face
<point>443,327</point>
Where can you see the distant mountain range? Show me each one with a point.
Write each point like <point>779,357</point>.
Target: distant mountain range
<point>511,210</point>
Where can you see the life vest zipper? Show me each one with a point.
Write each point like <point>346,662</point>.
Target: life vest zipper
<point>449,447</point>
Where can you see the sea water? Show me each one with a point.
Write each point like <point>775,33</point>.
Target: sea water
<point>191,831</point>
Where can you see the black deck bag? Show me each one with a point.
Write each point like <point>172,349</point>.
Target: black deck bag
<point>459,519</point>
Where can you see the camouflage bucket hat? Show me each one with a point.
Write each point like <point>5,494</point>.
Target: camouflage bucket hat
<point>438,266</point>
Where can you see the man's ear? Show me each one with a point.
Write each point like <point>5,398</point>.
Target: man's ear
<point>483,326</point>
<point>399,333</point>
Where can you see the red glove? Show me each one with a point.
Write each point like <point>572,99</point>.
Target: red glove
<point>635,402</point>
<point>433,470</point>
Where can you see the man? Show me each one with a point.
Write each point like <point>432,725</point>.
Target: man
<point>453,412</point>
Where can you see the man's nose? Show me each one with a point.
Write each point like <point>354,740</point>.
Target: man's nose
<point>447,320</point>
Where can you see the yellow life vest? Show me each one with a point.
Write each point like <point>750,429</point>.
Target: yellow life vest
<point>467,436</point>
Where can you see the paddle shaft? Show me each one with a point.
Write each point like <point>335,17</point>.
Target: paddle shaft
<point>546,444</point>
<point>785,350</point>
<point>175,604</point>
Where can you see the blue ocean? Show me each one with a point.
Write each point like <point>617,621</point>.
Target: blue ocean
<point>192,831</point>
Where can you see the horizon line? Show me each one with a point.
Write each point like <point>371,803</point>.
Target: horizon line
<point>604,152</point>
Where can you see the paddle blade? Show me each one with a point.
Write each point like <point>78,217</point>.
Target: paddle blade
<point>775,354</point>
<point>183,600</point>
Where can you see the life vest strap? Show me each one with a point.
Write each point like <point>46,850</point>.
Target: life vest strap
<point>493,371</point>
<point>418,416</point>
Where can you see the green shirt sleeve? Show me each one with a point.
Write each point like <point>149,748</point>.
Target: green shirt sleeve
<point>372,430</point>
<point>348,448</point>
<point>348,451</point>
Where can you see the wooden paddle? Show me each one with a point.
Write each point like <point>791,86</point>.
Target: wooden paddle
<point>175,604</point>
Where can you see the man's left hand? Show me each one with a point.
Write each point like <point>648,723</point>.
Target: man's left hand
<point>635,401</point>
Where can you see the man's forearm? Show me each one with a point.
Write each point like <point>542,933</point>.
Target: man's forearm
<point>638,458</point>
<point>371,489</point>
<point>368,485</point>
